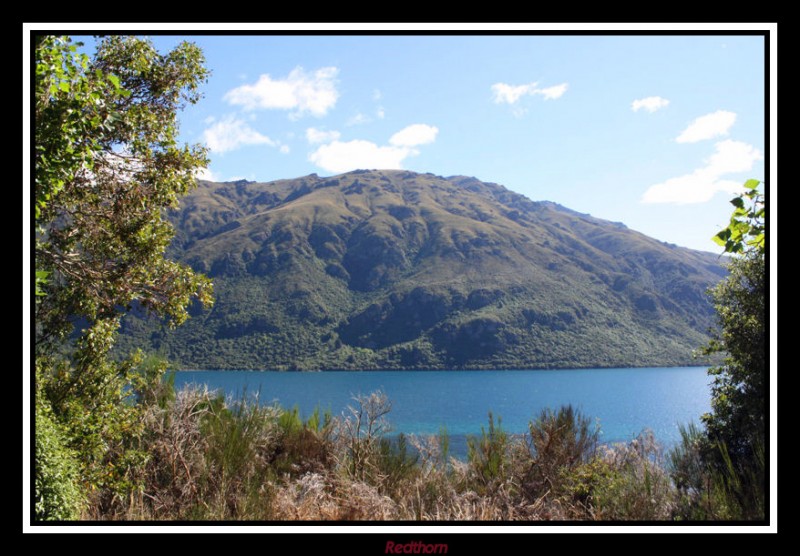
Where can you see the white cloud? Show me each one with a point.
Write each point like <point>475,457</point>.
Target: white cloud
<point>341,156</point>
<point>733,156</point>
<point>698,187</point>
<point>314,135</point>
<point>380,113</point>
<point>230,133</point>
<point>707,127</point>
<point>344,156</point>
<point>302,92</point>
<point>553,92</point>
<point>651,104</point>
<point>413,135</point>
<point>701,185</point>
<point>284,149</point>
<point>206,174</point>
<point>358,119</point>
<point>510,94</point>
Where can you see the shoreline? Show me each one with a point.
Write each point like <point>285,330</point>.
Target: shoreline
<point>427,370</point>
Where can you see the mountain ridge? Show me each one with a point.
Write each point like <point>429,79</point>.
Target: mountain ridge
<point>396,269</point>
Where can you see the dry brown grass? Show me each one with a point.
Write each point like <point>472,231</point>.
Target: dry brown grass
<point>317,497</point>
<point>211,460</point>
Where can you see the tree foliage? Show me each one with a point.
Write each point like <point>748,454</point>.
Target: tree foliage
<point>745,232</point>
<point>740,383</point>
<point>58,495</point>
<point>108,166</point>
<point>737,425</point>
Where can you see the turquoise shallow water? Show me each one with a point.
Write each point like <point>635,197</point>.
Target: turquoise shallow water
<point>624,401</point>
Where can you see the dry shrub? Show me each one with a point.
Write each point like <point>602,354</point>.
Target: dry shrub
<point>358,435</point>
<point>318,497</point>
<point>635,485</point>
<point>209,459</point>
<point>306,498</point>
<point>360,501</point>
<point>304,447</point>
<point>177,447</point>
<point>443,488</point>
<point>557,441</point>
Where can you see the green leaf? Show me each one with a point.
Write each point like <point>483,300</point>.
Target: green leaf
<point>41,279</point>
<point>751,184</point>
<point>114,79</point>
<point>719,240</point>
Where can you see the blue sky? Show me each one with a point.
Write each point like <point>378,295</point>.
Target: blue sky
<point>656,132</point>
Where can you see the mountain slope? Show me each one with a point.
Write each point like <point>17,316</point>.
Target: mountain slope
<point>392,269</point>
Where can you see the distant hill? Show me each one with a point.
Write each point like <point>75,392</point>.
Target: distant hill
<point>399,270</point>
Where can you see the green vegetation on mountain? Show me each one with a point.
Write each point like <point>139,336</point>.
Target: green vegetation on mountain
<point>394,269</point>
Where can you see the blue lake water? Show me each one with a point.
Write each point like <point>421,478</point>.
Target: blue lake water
<point>623,401</point>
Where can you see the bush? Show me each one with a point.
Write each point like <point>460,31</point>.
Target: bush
<point>303,447</point>
<point>361,431</point>
<point>707,490</point>
<point>212,459</point>
<point>487,456</point>
<point>558,440</point>
<point>395,463</point>
<point>58,496</point>
<point>152,383</point>
<point>691,476</point>
<point>241,439</point>
<point>636,486</point>
<point>172,478</point>
<point>583,484</point>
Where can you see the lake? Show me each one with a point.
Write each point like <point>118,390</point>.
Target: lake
<point>624,401</point>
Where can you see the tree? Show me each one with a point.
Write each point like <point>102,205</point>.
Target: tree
<point>737,425</point>
<point>746,231</point>
<point>108,166</point>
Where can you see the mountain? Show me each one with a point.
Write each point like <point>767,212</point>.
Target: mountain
<point>399,270</point>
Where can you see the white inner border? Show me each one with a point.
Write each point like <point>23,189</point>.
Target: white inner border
<point>479,527</point>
